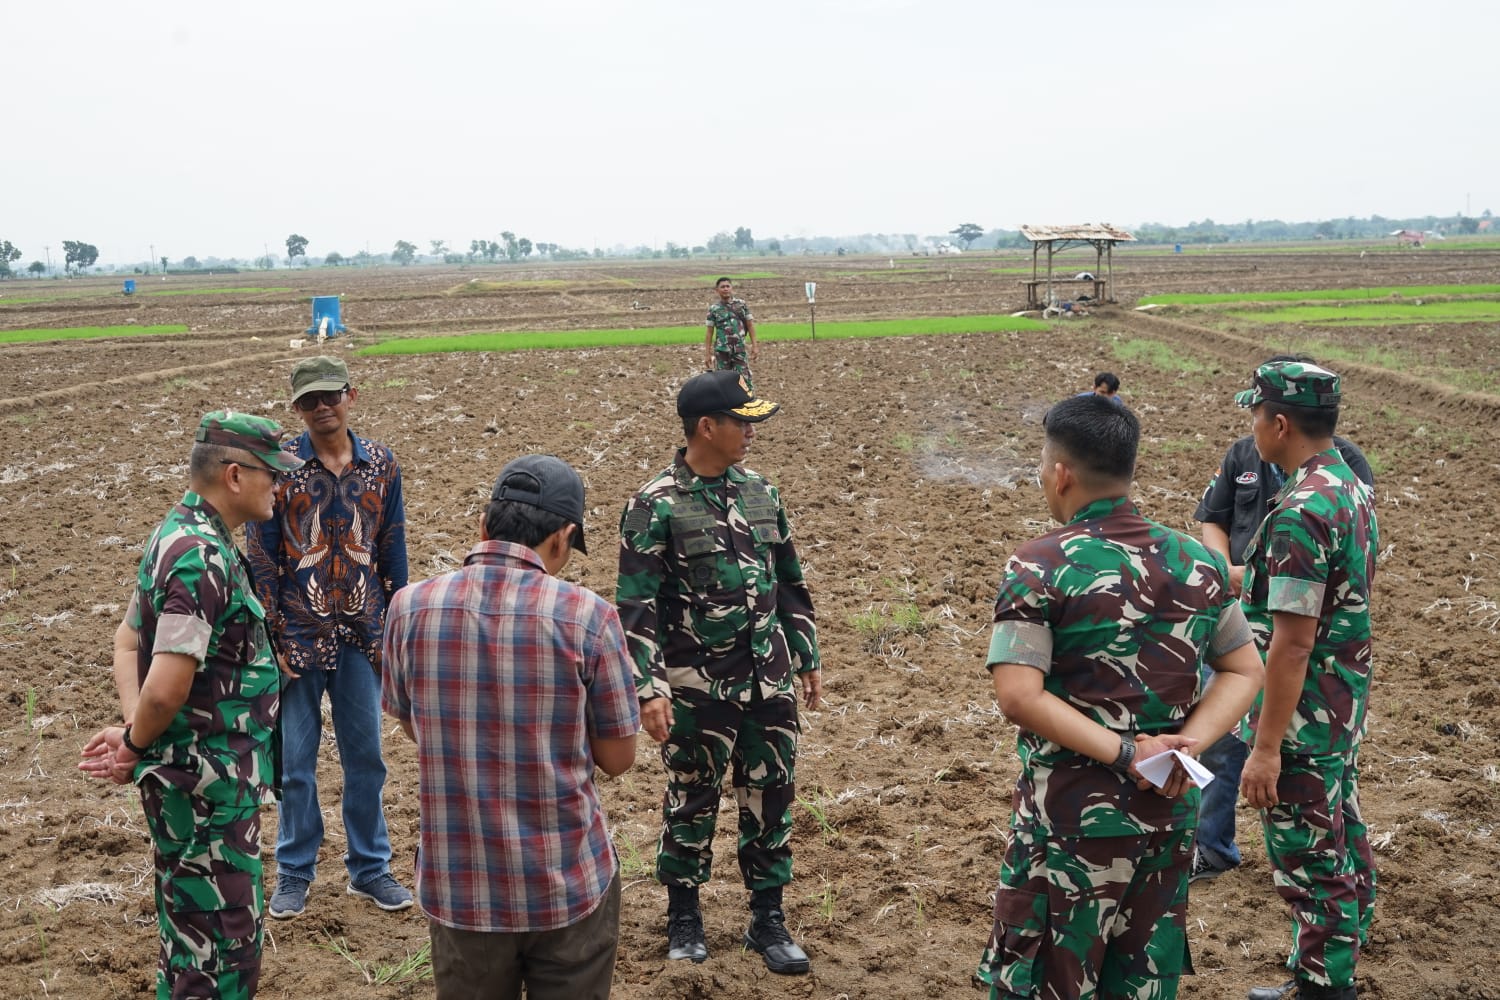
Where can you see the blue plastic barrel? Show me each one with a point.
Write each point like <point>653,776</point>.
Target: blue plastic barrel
<point>129,286</point>
<point>326,308</point>
<point>1177,248</point>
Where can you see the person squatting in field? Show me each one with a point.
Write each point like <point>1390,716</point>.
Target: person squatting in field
<point>720,625</point>
<point>200,694</point>
<point>1099,629</point>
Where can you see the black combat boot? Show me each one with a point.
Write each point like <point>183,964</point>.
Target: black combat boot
<point>1312,991</point>
<point>685,924</point>
<point>768,934</point>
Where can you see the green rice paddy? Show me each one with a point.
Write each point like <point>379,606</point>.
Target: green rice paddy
<point>576,339</point>
<point>86,333</point>
<point>1320,294</point>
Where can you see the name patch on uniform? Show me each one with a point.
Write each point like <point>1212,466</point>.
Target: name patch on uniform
<point>1246,478</point>
<point>637,520</point>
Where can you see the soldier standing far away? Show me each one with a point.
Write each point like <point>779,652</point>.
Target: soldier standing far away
<point>729,327</point>
<point>719,622</point>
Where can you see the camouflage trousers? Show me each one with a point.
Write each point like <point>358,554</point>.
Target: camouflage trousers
<point>1322,865</point>
<point>209,897</point>
<point>758,742</point>
<point>1090,917</point>
<point>735,361</point>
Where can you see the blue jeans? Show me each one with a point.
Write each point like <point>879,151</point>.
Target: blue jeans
<point>354,695</point>
<point>1226,759</point>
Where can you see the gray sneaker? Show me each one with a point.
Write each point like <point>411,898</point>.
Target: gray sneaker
<point>1203,870</point>
<point>290,897</point>
<point>384,891</point>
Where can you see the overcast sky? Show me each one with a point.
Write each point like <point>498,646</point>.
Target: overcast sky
<point>213,129</point>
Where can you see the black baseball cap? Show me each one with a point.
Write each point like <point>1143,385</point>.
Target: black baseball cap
<point>722,392</point>
<point>548,482</point>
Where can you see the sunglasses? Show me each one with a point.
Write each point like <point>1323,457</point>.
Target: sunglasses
<point>275,476</point>
<point>312,400</point>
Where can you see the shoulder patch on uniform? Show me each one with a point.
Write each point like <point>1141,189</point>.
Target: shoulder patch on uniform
<point>637,521</point>
<point>1246,478</point>
<point>1281,544</point>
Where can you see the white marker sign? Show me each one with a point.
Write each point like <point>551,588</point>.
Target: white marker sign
<point>812,287</point>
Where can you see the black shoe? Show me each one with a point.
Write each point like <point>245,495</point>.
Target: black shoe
<point>685,925</point>
<point>1286,989</point>
<point>685,937</point>
<point>768,935</point>
<point>1204,871</point>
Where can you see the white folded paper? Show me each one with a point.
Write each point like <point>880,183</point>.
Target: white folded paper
<point>1159,768</point>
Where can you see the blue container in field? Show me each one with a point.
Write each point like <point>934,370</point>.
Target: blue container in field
<point>1177,248</point>
<point>325,316</point>
<point>129,286</point>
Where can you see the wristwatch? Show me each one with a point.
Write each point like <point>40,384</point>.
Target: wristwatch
<point>138,751</point>
<point>1127,755</point>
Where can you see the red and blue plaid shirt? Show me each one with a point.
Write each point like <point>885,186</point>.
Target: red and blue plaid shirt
<point>504,674</point>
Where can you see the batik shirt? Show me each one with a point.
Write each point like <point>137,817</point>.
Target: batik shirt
<point>194,596</point>
<point>506,674</point>
<point>729,323</point>
<point>329,560</point>
<point>1118,612</point>
<point>1314,555</point>
<point>710,590</point>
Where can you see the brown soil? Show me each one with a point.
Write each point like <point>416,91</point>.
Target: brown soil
<point>907,465</point>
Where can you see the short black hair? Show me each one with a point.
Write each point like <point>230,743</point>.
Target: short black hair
<point>1310,421</point>
<point>1100,435</point>
<point>722,280</point>
<point>1110,380</point>
<point>690,424</point>
<point>514,521</point>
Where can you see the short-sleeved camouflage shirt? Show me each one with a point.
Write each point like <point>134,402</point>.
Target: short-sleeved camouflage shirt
<point>1314,555</point>
<point>710,591</point>
<point>729,322</point>
<point>194,596</point>
<point>1119,613</point>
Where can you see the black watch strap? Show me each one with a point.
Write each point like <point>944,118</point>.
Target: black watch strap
<point>125,739</point>
<point>1127,755</point>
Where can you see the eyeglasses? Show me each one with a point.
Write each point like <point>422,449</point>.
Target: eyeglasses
<point>275,476</point>
<point>312,400</point>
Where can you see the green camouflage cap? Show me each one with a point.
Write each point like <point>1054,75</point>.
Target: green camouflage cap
<point>320,374</point>
<point>1298,383</point>
<point>257,435</point>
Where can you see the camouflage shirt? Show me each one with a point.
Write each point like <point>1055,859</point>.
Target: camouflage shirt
<point>1118,612</point>
<point>1314,555</point>
<point>194,596</point>
<point>710,591</point>
<point>729,323</point>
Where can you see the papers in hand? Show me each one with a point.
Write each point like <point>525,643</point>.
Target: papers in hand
<point>1159,768</point>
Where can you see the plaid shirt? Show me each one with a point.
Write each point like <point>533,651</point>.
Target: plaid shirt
<point>330,558</point>
<point>505,673</point>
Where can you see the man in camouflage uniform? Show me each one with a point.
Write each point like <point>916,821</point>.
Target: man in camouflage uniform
<point>730,326</point>
<point>1100,627</point>
<point>719,620</point>
<point>1308,572</point>
<point>200,692</point>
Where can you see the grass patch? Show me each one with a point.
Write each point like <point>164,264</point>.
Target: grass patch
<point>1318,294</point>
<point>1382,313</point>
<point>1158,355</point>
<point>878,626</point>
<point>414,968</point>
<point>674,335</point>
<point>86,333</point>
<point>742,276</point>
